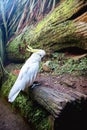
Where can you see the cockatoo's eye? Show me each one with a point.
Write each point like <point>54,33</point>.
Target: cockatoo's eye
<point>40,55</point>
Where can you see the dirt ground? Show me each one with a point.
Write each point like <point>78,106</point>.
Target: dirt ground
<point>10,120</point>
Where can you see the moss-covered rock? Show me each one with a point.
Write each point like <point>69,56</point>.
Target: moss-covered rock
<point>26,106</point>
<point>17,50</point>
<point>54,32</point>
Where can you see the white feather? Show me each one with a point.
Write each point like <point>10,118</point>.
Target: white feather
<point>27,75</point>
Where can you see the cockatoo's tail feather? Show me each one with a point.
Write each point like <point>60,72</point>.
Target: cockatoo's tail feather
<point>11,99</point>
<point>16,90</point>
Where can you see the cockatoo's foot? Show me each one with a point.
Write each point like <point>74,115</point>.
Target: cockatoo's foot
<point>35,84</point>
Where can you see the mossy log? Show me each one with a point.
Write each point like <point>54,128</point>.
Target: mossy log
<point>63,96</point>
<point>54,94</point>
<point>65,26</point>
<point>54,100</point>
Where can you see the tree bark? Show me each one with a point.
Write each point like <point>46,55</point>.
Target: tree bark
<point>55,101</point>
<point>65,26</point>
<point>55,92</point>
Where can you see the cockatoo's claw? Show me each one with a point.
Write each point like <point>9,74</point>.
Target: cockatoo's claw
<point>35,84</point>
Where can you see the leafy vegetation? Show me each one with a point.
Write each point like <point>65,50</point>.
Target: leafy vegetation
<point>61,64</point>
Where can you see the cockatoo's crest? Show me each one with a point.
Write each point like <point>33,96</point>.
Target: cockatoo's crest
<point>30,49</point>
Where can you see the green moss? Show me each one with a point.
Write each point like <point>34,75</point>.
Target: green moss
<point>7,85</point>
<point>32,112</point>
<point>52,33</point>
<point>29,109</point>
<point>17,49</point>
<point>61,64</point>
<point>59,14</point>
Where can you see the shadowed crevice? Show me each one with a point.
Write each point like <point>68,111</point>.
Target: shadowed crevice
<point>73,116</point>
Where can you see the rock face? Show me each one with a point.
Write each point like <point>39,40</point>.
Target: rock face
<point>65,26</point>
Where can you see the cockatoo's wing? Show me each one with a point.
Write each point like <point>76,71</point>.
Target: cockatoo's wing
<point>31,74</point>
<point>26,77</point>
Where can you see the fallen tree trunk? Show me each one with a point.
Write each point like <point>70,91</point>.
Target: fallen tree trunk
<point>55,101</point>
<point>55,94</point>
<point>56,97</point>
<point>65,27</point>
<point>63,97</point>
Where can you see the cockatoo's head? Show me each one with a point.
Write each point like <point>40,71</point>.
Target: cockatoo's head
<point>38,54</point>
<point>41,53</point>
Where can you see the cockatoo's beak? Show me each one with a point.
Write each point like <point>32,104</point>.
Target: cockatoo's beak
<point>30,49</point>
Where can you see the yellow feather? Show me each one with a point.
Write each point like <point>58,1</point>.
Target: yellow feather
<point>30,49</point>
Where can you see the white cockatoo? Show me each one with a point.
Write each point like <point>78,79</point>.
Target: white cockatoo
<point>27,73</point>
